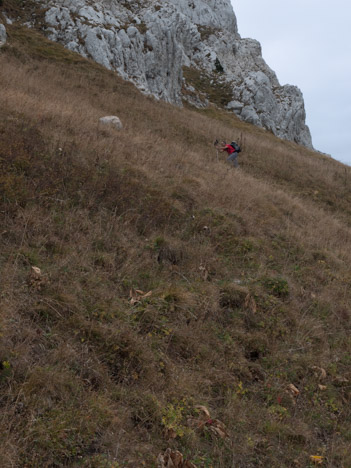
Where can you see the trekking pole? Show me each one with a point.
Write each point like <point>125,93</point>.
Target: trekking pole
<point>215,145</point>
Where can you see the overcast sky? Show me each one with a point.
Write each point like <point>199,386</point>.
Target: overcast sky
<point>308,44</point>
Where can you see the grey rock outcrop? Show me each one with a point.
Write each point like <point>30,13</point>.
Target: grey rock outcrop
<point>180,50</point>
<point>3,37</point>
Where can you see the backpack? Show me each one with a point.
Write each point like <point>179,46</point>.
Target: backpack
<point>235,145</point>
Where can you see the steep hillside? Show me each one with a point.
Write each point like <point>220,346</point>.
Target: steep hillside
<point>179,303</point>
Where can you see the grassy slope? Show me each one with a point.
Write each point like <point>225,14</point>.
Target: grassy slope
<point>249,273</point>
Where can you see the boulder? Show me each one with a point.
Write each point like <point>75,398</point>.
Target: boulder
<point>2,35</point>
<point>111,121</point>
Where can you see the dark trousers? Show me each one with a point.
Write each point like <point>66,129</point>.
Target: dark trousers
<point>233,159</point>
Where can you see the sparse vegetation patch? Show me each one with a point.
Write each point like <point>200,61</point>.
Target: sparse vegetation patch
<point>219,92</point>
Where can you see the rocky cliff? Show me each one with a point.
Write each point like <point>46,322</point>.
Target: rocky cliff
<point>181,50</point>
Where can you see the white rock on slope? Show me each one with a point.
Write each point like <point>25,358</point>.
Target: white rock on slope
<point>111,121</point>
<point>150,41</point>
<point>3,36</point>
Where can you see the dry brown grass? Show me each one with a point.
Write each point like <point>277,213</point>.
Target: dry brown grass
<point>249,273</point>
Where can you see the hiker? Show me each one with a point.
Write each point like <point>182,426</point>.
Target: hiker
<point>233,149</point>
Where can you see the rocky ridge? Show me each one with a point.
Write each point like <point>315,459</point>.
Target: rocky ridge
<point>181,50</point>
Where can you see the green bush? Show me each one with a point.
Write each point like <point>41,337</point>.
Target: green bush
<point>276,286</point>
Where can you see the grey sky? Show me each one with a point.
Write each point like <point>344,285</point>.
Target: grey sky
<point>308,44</point>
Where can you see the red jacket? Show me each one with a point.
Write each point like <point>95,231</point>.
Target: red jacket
<point>229,149</point>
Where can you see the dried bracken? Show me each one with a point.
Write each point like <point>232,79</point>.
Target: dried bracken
<point>36,279</point>
<point>250,304</point>
<point>319,372</point>
<point>173,459</point>
<point>136,296</point>
<point>317,459</point>
<point>204,421</point>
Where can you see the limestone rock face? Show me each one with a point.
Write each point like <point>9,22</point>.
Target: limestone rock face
<point>180,50</point>
<point>2,35</point>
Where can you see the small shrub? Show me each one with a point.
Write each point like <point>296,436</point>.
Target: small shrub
<point>233,296</point>
<point>218,66</point>
<point>174,418</point>
<point>99,461</point>
<point>146,410</point>
<point>278,287</point>
<point>206,32</point>
<point>218,92</point>
<point>5,370</point>
<point>142,28</point>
